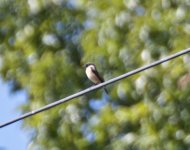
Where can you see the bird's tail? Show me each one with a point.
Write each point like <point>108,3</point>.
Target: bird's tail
<point>106,90</point>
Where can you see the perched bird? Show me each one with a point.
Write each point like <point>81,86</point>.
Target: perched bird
<point>93,74</point>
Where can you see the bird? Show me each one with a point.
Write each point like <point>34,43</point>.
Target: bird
<point>93,75</point>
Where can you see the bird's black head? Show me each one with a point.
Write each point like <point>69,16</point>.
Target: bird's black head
<point>88,64</point>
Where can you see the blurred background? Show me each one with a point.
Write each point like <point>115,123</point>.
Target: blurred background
<point>43,46</point>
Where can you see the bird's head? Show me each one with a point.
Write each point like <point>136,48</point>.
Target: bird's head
<point>89,64</point>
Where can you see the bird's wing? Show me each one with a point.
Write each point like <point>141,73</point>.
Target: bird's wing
<point>97,74</point>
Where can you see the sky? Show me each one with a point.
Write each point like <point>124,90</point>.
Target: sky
<point>12,137</point>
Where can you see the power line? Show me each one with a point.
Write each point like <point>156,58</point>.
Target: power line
<point>96,87</point>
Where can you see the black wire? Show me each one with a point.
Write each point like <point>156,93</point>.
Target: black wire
<point>96,87</point>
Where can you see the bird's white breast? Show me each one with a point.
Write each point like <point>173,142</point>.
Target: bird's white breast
<point>91,76</point>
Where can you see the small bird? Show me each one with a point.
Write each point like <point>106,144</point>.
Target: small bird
<point>93,74</point>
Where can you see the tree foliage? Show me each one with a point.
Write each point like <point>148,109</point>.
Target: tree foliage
<point>45,43</point>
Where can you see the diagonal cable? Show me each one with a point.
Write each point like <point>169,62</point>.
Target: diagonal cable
<point>51,105</point>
